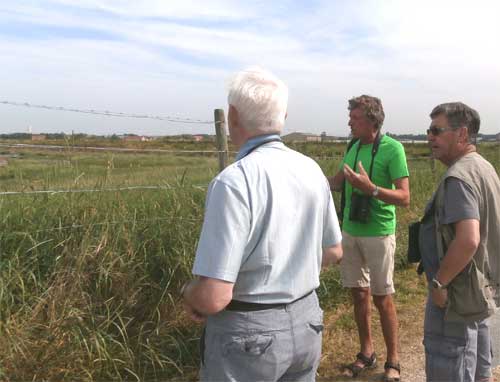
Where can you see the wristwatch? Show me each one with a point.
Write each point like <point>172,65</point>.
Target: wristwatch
<point>375,191</point>
<point>437,285</point>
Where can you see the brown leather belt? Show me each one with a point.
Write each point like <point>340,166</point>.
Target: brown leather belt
<point>242,306</point>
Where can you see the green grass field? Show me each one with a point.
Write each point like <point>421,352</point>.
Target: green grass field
<point>89,280</point>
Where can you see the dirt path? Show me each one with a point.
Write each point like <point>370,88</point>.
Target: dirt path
<point>339,348</point>
<point>340,340</point>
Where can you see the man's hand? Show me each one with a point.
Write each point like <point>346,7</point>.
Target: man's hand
<point>193,314</point>
<point>439,297</point>
<point>360,181</point>
<point>332,255</point>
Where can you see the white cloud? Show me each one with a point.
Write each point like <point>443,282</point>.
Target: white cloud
<point>169,57</point>
<point>185,9</point>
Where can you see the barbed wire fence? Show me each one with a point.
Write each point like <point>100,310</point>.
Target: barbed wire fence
<point>109,113</point>
<point>115,189</point>
<point>111,149</point>
<point>221,151</point>
<point>221,142</point>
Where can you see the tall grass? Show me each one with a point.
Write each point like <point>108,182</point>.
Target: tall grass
<point>98,299</point>
<point>89,281</point>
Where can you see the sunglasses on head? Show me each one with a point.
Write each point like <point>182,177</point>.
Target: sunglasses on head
<point>434,130</point>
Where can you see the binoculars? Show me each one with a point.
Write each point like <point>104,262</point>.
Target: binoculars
<point>360,208</point>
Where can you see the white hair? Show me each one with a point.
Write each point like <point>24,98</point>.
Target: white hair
<point>260,99</point>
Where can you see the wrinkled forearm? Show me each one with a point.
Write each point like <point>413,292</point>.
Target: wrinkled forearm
<point>208,296</point>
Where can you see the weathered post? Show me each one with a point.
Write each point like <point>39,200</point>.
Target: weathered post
<point>220,131</point>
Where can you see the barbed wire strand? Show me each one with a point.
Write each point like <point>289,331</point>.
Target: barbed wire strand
<point>53,192</point>
<point>109,113</point>
<point>123,149</point>
<point>117,149</point>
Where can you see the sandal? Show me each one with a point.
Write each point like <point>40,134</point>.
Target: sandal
<point>389,365</point>
<point>367,363</point>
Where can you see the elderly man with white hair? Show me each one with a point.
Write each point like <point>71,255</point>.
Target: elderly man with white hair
<point>269,225</point>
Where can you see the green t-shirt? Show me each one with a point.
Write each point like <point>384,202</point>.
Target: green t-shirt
<point>390,164</point>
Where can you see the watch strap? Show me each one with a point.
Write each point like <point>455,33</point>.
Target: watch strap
<point>436,284</point>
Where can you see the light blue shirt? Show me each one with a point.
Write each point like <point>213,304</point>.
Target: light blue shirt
<point>268,217</point>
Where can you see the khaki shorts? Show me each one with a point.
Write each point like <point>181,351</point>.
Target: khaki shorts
<point>368,262</point>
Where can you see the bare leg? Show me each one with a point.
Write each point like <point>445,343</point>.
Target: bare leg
<point>362,316</point>
<point>389,322</point>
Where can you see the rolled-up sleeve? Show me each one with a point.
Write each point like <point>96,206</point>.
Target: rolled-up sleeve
<point>460,202</point>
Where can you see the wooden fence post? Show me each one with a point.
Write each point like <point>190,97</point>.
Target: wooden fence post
<point>220,131</point>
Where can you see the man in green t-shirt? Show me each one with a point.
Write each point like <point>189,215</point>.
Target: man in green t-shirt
<point>374,178</point>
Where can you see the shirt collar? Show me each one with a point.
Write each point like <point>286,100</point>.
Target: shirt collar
<point>254,142</point>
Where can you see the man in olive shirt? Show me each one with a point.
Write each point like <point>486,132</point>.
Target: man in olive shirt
<point>459,241</point>
<point>375,176</point>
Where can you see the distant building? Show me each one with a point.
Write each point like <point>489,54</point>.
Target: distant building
<point>329,138</point>
<point>38,137</point>
<point>136,138</point>
<point>300,137</point>
<point>190,138</point>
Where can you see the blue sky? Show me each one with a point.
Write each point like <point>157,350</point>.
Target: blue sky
<point>173,58</point>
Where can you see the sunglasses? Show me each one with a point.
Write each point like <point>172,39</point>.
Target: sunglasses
<point>434,130</point>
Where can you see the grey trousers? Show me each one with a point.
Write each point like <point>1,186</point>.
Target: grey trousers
<point>455,352</point>
<point>495,337</point>
<point>266,345</point>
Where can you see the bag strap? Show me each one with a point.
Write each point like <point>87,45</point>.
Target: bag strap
<point>444,232</point>
<point>340,214</point>
<point>375,146</point>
